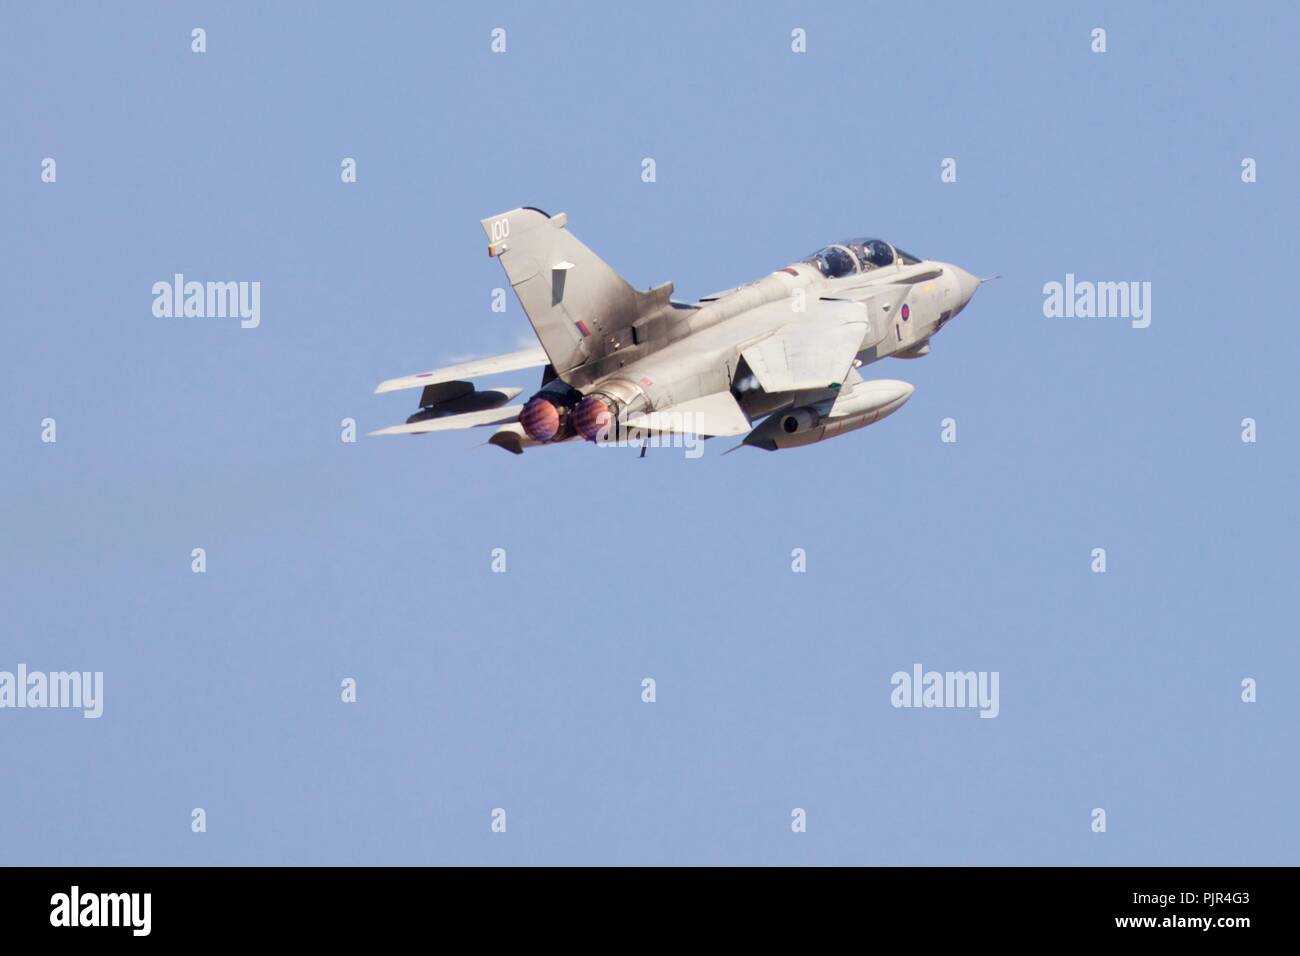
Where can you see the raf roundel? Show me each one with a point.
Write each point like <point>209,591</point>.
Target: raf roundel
<point>906,313</point>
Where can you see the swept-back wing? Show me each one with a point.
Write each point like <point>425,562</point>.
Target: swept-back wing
<point>510,362</point>
<point>807,355</point>
<point>489,416</point>
<point>716,414</point>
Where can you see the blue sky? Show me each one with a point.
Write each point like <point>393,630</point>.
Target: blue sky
<point>522,690</point>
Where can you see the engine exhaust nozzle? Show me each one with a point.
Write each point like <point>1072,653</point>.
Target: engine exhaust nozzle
<point>540,419</point>
<point>593,417</point>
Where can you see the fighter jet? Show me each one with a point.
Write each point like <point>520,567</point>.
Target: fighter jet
<point>776,360</point>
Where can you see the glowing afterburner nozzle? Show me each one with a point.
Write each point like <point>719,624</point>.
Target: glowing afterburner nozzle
<point>592,417</point>
<point>540,419</point>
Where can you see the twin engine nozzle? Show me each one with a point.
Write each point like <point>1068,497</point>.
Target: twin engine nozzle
<point>554,417</point>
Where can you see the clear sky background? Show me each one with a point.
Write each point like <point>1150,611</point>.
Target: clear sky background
<point>522,690</point>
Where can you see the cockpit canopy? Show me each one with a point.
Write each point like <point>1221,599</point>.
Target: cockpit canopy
<point>857,255</point>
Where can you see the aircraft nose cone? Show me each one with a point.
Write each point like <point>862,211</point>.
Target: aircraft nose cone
<point>966,284</point>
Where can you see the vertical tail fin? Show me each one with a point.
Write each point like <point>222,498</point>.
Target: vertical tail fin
<point>580,308</point>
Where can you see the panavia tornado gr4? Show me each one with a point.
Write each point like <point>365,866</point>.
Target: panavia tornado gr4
<point>776,360</point>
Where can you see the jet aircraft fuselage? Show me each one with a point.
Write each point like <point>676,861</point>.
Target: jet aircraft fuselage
<point>786,347</point>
